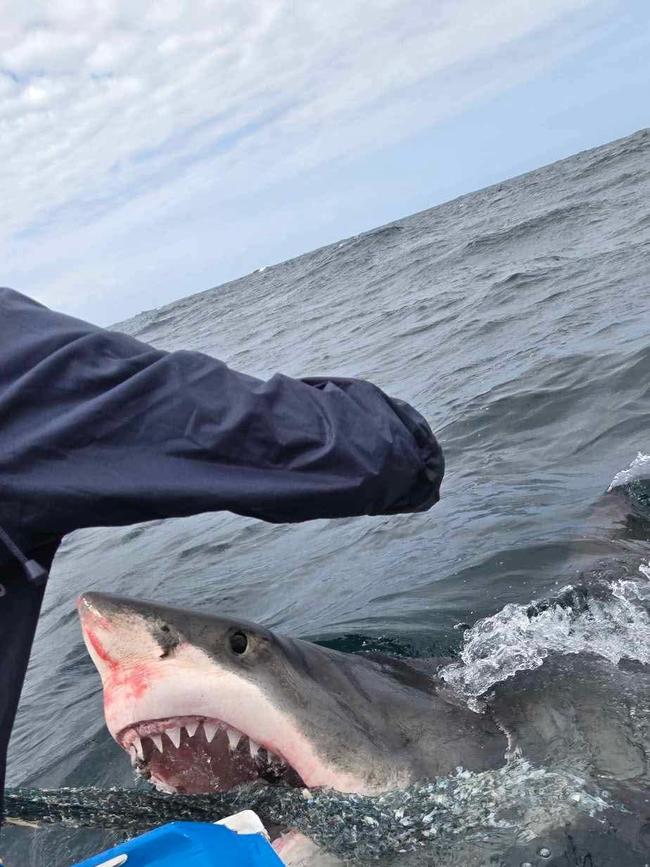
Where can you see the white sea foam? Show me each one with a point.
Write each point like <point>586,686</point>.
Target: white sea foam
<point>519,796</point>
<point>638,469</point>
<point>614,625</point>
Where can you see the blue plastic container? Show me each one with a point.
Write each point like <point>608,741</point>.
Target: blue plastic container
<point>190,844</point>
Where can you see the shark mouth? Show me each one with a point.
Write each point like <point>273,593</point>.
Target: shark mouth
<point>194,755</point>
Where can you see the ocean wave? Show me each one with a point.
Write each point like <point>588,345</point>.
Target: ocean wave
<point>638,470</point>
<point>530,227</point>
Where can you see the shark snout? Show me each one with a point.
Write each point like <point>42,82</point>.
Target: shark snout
<point>127,656</point>
<point>118,639</point>
<point>91,613</point>
<point>96,628</point>
<point>98,613</point>
<point>99,607</point>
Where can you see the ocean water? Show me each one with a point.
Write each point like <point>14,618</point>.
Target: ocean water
<point>517,319</point>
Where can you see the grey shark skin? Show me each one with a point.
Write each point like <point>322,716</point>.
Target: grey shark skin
<point>203,703</point>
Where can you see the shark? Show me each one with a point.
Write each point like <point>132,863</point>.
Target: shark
<point>204,703</point>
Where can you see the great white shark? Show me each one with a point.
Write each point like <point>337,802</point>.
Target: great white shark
<point>204,703</point>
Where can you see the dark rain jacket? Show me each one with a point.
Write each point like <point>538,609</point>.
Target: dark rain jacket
<point>100,429</point>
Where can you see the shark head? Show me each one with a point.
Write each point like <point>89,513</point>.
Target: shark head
<point>203,703</point>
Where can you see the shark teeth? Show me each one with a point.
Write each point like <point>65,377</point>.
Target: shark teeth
<point>233,738</point>
<point>153,758</point>
<point>174,736</point>
<point>210,730</point>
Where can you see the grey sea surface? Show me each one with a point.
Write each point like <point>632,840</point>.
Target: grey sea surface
<point>517,319</point>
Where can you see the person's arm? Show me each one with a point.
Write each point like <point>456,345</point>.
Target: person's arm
<point>100,429</point>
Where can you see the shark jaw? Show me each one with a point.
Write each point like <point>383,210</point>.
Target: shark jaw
<point>182,707</point>
<point>196,755</point>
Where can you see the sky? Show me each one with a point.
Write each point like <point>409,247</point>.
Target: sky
<point>152,150</point>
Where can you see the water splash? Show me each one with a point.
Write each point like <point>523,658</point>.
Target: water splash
<point>638,470</point>
<point>608,619</point>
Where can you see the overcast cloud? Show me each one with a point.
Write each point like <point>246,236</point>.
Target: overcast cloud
<point>143,145</point>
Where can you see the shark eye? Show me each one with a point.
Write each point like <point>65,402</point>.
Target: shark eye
<point>238,643</point>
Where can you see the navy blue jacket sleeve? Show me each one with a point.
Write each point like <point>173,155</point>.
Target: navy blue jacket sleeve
<point>20,604</point>
<point>98,429</point>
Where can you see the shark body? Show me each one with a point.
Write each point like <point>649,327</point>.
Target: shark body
<point>203,703</point>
